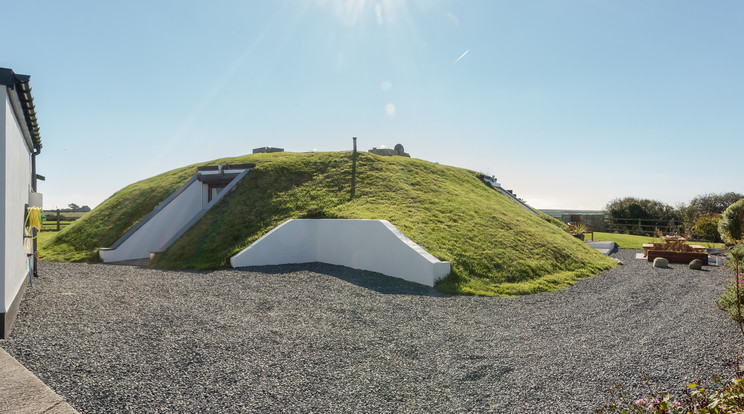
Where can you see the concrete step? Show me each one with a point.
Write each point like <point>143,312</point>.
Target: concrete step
<point>21,392</point>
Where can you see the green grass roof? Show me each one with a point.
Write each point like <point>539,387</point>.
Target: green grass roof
<point>495,246</point>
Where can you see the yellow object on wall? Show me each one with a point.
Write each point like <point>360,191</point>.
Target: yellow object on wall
<point>34,219</point>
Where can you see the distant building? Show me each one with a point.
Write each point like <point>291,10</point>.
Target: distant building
<point>595,219</point>
<point>383,150</point>
<point>262,150</point>
<point>20,143</point>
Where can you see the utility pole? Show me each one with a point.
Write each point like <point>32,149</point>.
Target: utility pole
<point>353,169</point>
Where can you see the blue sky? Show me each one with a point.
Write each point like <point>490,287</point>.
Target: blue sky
<point>568,103</point>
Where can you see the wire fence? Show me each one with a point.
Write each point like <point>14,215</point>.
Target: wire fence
<point>642,227</point>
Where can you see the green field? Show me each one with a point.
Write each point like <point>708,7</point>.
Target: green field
<point>494,245</point>
<point>42,238</point>
<point>52,225</point>
<point>627,241</point>
<point>51,215</point>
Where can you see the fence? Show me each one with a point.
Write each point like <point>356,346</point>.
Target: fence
<point>642,227</point>
<point>57,220</point>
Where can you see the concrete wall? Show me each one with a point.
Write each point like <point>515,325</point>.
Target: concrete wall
<point>160,228</point>
<point>15,182</point>
<point>169,221</point>
<point>374,245</point>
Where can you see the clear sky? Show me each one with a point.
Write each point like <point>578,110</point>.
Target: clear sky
<point>569,103</point>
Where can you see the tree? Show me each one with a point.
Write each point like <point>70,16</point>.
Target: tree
<point>703,213</point>
<point>634,208</point>
<point>642,216</point>
<point>710,204</point>
<point>73,206</point>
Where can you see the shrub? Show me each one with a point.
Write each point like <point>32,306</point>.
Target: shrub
<point>732,222</point>
<point>729,398</point>
<point>705,227</point>
<point>728,301</point>
<point>710,204</point>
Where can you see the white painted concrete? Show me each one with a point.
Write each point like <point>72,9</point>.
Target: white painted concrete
<point>206,208</point>
<point>604,247</point>
<point>15,183</point>
<point>374,245</point>
<point>167,222</point>
<point>160,228</point>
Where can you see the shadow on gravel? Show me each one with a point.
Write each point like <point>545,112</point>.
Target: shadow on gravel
<point>369,280</point>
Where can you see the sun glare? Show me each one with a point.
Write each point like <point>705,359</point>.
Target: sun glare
<point>360,12</point>
<point>390,110</point>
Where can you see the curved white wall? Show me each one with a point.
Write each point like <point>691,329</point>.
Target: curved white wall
<point>374,245</point>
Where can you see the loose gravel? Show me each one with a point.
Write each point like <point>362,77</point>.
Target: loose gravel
<point>321,338</point>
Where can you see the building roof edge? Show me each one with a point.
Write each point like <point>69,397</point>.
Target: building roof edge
<point>20,84</point>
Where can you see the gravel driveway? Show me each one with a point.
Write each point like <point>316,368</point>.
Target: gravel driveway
<point>324,338</point>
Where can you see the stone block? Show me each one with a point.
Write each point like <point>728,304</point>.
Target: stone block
<point>696,264</point>
<point>661,262</point>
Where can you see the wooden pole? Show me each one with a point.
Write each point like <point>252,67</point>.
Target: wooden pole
<point>353,169</point>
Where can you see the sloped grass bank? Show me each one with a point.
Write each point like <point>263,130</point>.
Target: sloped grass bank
<point>111,219</point>
<point>495,246</point>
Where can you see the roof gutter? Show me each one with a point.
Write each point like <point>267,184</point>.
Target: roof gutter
<point>22,103</point>
<point>18,112</point>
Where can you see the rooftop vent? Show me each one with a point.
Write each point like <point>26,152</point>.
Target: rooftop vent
<point>262,150</point>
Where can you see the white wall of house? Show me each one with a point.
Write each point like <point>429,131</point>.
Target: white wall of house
<point>15,183</point>
<point>160,228</point>
<point>374,245</point>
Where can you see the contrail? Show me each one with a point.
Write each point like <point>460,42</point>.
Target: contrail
<point>461,56</point>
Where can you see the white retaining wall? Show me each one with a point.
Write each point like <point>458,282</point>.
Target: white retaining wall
<point>374,245</point>
<point>159,228</point>
<point>15,182</point>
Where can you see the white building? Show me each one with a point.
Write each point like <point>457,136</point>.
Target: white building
<point>19,145</point>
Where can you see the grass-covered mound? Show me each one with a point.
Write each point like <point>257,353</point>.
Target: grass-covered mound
<point>495,246</point>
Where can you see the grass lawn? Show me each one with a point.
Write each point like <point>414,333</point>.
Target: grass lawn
<point>628,241</point>
<point>43,237</point>
<point>52,225</point>
<point>494,245</point>
<point>52,214</point>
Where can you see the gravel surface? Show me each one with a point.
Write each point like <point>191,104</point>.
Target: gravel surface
<point>321,338</point>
